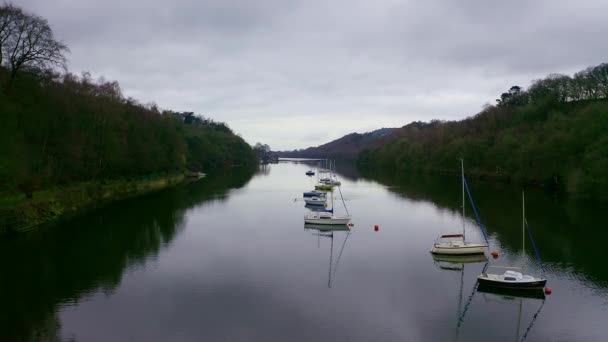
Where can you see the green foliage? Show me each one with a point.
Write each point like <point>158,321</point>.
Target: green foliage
<point>551,140</point>
<point>59,129</point>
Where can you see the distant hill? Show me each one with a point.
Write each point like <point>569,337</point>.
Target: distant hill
<point>347,147</point>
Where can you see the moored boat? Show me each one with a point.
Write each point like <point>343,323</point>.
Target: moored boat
<point>512,279</point>
<point>326,218</point>
<point>456,244</point>
<point>316,200</point>
<point>314,193</point>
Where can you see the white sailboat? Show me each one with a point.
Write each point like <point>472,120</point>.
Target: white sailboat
<point>513,279</point>
<point>327,217</point>
<point>456,244</point>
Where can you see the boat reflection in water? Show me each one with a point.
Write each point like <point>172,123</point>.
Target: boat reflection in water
<point>450,262</point>
<point>328,231</point>
<point>509,293</point>
<point>456,262</point>
<point>508,296</point>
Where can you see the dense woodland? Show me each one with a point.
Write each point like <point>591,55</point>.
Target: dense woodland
<point>59,128</point>
<point>553,134</point>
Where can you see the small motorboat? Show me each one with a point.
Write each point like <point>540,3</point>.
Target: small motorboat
<point>326,217</point>
<point>310,173</point>
<point>314,207</point>
<point>316,200</point>
<point>314,193</point>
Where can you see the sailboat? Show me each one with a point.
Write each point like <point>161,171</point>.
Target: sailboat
<point>327,217</point>
<point>332,179</point>
<point>456,244</point>
<point>513,279</point>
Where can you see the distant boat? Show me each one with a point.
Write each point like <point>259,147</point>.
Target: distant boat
<point>310,173</point>
<point>314,193</point>
<point>316,200</point>
<point>326,218</point>
<point>324,187</point>
<point>456,244</point>
<point>313,207</point>
<point>513,279</point>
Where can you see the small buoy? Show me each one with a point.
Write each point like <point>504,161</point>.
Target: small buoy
<point>376,228</point>
<point>495,254</point>
<point>548,290</point>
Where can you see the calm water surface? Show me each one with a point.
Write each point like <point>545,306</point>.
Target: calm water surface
<point>229,259</point>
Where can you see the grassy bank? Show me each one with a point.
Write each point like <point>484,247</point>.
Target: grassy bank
<point>19,214</point>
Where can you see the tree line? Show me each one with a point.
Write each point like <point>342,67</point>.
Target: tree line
<point>553,134</point>
<point>588,84</point>
<point>59,128</point>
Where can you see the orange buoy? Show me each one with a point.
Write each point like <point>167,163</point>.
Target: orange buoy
<point>494,254</point>
<point>548,290</point>
<point>376,228</point>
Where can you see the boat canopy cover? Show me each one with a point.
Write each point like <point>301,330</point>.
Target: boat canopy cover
<point>452,235</point>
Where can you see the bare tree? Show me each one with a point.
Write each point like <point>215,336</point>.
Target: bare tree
<point>8,17</point>
<point>27,41</point>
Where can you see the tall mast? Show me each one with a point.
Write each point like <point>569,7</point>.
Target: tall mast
<point>523,229</point>
<point>462,172</point>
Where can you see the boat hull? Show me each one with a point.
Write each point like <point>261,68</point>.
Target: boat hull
<point>313,193</point>
<point>317,202</point>
<point>459,258</point>
<point>334,221</point>
<point>536,284</point>
<point>463,249</point>
<point>326,227</point>
<point>511,292</point>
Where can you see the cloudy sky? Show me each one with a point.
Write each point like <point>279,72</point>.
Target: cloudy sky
<point>296,73</point>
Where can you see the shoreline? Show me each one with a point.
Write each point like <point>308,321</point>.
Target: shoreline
<point>21,215</point>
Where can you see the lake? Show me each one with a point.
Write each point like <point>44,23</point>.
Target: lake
<point>228,258</point>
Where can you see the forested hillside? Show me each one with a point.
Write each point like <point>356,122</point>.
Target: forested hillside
<point>347,147</point>
<point>58,128</point>
<point>553,134</point>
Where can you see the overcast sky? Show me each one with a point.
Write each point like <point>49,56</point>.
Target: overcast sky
<point>296,73</point>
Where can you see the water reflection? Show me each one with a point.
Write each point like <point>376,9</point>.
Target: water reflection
<point>498,297</point>
<point>329,231</point>
<point>69,261</point>
<point>563,228</point>
<point>345,169</point>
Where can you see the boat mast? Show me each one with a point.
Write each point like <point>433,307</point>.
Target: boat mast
<point>523,229</point>
<point>462,172</point>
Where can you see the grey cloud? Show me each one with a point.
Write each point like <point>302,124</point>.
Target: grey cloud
<point>354,63</point>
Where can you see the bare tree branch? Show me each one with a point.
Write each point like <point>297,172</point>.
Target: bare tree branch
<point>27,41</point>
